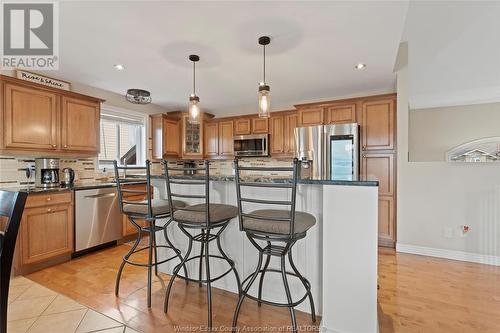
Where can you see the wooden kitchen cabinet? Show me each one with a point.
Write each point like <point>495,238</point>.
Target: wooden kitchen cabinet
<point>282,134</point>
<point>166,136</point>
<point>341,114</point>
<point>127,227</point>
<point>31,118</point>
<point>40,120</point>
<point>277,135</point>
<point>211,139</point>
<point>386,221</point>
<point>192,138</point>
<point>260,125</point>
<point>226,148</point>
<point>46,228</point>
<point>380,166</point>
<point>291,122</point>
<point>242,126</point>
<point>80,125</point>
<point>378,124</point>
<point>311,116</point>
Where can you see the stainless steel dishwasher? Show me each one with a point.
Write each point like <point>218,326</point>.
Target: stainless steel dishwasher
<point>98,221</point>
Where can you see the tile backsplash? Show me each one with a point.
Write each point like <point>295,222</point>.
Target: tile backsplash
<point>13,169</point>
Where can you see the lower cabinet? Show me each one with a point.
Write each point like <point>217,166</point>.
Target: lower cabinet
<point>127,227</point>
<point>46,231</point>
<point>386,225</point>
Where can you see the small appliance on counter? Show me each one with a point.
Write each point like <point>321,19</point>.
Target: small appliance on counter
<point>190,164</point>
<point>46,172</point>
<point>328,152</point>
<point>68,177</point>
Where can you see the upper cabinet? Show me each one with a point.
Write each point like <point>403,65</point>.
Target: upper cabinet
<point>31,118</point>
<point>226,138</point>
<point>341,114</point>
<point>242,126</point>
<point>260,125</point>
<point>165,133</point>
<point>377,124</point>
<point>192,138</point>
<point>80,125</point>
<point>40,120</point>
<point>211,140</point>
<point>311,116</point>
<point>282,131</point>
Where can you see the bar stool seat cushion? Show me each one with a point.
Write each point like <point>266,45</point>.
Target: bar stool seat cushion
<point>160,207</point>
<point>303,221</point>
<point>196,214</point>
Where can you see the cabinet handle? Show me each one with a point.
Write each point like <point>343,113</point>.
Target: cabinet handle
<point>54,146</point>
<point>49,210</point>
<point>65,146</point>
<point>364,147</point>
<point>364,155</point>
<point>48,199</point>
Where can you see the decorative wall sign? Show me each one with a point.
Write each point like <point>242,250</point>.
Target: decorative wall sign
<point>41,79</point>
<point>477,151</point>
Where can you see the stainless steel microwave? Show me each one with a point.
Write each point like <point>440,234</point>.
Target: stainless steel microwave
<point>251,145</point>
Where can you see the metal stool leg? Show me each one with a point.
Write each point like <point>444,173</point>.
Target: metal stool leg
<point>126,257</point>
<point>200,269</point>
<point>176,250</point>
<point>231,263</point>
<point>176,271</point>
<point>303,280</point>
<point>266,265</point>
<point>243,294</point>
<point>155,249</point>
<point>288,294</point>
<point>209,287</point>
<point>150,262</point>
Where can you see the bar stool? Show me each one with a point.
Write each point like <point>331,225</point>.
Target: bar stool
<point>148,210</point>
<point>206,221</point>
<point>281,226</point>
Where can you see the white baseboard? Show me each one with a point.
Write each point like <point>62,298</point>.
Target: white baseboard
<point>449,254</point>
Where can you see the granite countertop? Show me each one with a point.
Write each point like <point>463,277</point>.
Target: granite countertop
<point>270,179</point>
<point>75,187</point>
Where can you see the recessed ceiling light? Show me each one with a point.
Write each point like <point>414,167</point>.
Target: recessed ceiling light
<point>360,66</point>
<point>119,67</point>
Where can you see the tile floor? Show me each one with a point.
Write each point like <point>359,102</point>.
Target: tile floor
<point>36,309</point>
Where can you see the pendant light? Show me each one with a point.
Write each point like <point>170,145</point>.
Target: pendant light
<point>194,101</point>
<point>264,90</point>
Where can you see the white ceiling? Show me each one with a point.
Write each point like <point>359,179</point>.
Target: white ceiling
<point>314,48</point>
<point>453,53</point>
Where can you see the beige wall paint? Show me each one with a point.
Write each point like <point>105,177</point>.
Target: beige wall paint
<point>434,131</point>
<point>436,198</point>
<point>113,99</point>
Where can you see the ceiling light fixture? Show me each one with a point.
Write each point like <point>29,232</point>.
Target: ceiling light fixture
<point>138,96</point>
<point>194,101</point>
<point>264,89</point>
<point>119,67</point>
<point>360,66</point>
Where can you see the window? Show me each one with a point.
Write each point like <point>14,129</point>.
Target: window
<point>122,139</point>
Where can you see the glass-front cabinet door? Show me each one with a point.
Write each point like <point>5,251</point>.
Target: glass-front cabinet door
<point>192,138</point>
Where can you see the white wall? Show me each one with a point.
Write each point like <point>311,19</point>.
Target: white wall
<point>436,198</point>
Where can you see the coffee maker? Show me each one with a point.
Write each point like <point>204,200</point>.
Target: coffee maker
<point>46,172</point>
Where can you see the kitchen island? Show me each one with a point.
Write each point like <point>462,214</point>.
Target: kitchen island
<point>338,256</point>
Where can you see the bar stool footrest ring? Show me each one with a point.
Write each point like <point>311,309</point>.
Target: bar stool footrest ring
<point>212,279</point>
<point>135,263</point>
<point>293,304</point>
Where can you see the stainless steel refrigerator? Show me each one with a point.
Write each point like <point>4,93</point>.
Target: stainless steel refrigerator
<point>328,151</point>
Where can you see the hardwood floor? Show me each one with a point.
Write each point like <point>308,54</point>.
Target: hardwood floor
<point>424,294</point>
<point>417,294</point>
<point>90,280</point>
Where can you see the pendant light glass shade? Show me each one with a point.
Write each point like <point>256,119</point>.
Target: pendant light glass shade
<point>194,109</point>
<point>194,101</point>
<point>264,90</point>
<point>264,101</point>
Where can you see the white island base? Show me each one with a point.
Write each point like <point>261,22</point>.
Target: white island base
<point>338,256</point>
